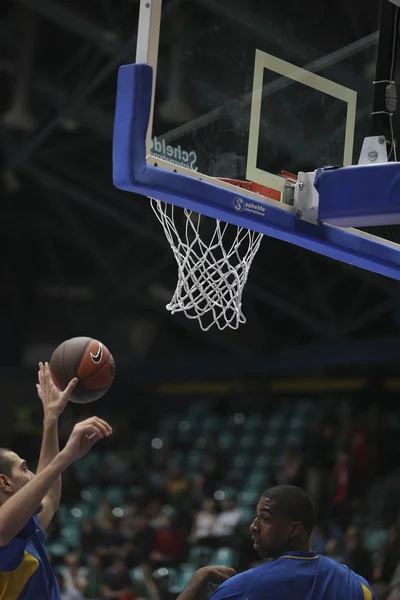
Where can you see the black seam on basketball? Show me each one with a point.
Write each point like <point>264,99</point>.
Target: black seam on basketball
<point>81,356</point>
<point>63,367</point>
<point>97,370</point>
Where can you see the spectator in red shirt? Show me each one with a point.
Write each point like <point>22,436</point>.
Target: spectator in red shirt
<point>168,546</point>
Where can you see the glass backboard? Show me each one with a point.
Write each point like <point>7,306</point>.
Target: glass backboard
<point>251,88</point>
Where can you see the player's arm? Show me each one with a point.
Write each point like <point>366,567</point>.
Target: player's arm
<point>205,580</point>
<point>54,402</point>
<point>16,512</point>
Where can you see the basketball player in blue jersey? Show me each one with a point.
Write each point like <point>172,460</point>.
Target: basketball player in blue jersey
<point>281,531</point>
<point>28,502</point>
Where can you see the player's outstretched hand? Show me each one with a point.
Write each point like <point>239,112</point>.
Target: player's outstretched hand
<point>54,400</point>
<point>213,577</point>
<point>84,436</point>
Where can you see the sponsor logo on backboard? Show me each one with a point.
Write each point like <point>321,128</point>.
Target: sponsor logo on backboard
<point>174,154</point>
<point>249,206</point>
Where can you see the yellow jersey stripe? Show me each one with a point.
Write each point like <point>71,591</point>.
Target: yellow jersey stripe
<point>366,592</point>
<point>13,582</point>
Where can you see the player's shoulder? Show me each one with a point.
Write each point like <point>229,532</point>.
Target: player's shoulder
<point>344,572</point>
<point>249,579</point>
<point>240,584</point>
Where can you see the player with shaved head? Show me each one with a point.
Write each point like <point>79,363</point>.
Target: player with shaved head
<point>281,532</point>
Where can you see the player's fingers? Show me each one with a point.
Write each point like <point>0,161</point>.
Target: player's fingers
<point>70,387</point>
<point>47,372</point>
<point>102,425</point>
<point>91,429</point>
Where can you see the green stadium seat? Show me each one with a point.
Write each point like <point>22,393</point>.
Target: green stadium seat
<point>248,442</point>
<point>80,512</point>
<point>58,549</point>
<point>254,423</point>
<point>258,478</point>
<point>248,514</point>
<point>223,557</point>
<point>199,556</point>
<point>374,539</point>
<point>249,497</point>
<point>63,514</point>
<point>182,579</point>
<point>193,458</point>
<point>136,574</point>
<point>201,442</point>
<point>91,494</point>
<point>229,491</point>
<point>115,495</point>
<point>211,424</point>
<point>271,442</point>
<point>236,474</point>
<point>242,461</point>
<point>135,491</point>
<point>277,422</point>
<point>227,440</point>
<point>263,461</point>
<point>70,535</point>
<point>294,439</point>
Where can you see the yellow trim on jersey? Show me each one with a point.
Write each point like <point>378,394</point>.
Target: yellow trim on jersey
<point>307,558</point>
<point>367,592</point>
<point>13,582</point>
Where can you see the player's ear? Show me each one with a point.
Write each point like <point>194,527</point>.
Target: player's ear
<point>295,529</point>
<point>5,485</point>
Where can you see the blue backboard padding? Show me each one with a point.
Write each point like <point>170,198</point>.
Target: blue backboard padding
<point>131,173</point>
<point>360,195</point>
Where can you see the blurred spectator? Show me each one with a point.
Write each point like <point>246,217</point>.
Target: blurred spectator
<point>321,453</point>
<point>224,527</point>
<point>212,467</point>
<point>290,469</point>
<point>104,514</point>
<point>169,543</point>
<point>94,577</point>
<point>177,484</point>
<point>332,550</point>
<point>204,521</point>
<point>117,583</point>
<point>110,541</point>
<point>388,557</point>
<point>394,586</point>
<point>356,558</point>
<point>128,523</point>
<point>67,593</point>
<point>138,546</point>
<point>74,575</point>
<point>90,538</point>
<point>343,486</point>
<point>154,514</point>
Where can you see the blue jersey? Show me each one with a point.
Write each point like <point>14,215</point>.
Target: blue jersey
<point>25,570</point>
<point>296,576</point>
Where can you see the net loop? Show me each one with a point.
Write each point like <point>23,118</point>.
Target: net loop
<point>214,260</point>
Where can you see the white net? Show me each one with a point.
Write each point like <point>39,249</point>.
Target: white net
<point>214,259</point>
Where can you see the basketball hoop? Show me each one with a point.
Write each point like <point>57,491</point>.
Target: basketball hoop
<point>214,260</point>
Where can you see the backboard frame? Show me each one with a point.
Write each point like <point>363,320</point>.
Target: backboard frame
<point>135,170</point>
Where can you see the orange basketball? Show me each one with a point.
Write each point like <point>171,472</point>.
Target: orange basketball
<point>87,359</point>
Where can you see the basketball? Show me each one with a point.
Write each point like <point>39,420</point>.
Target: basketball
<point>88,360</point>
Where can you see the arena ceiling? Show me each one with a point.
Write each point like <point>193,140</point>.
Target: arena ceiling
<point>82,258</point>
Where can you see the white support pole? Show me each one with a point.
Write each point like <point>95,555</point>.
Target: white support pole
<point>147,48</point>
